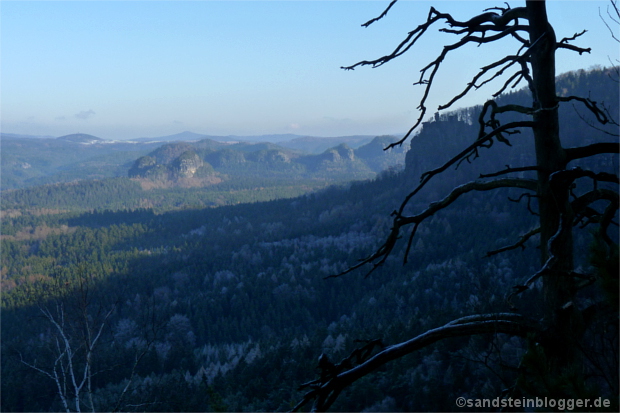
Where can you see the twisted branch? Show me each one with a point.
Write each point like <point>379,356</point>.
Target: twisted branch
<point>498,23</point>
<point>400,221</point>
<point>506,323</point>
<point>600,114</point>
<point>563,44</point>
<point>520,243</point>
<point>428,175</point>
<point>382,15</point>
<point>591,150</point>
<point>509,170</point>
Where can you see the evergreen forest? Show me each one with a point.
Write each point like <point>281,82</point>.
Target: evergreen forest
<point>195,276</point>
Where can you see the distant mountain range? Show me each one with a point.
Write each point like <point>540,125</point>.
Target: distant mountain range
<point>194,163</point>
<point>81,138</point>
<point>191,136</point>
<point>190,158</point>
<point>310,144</point>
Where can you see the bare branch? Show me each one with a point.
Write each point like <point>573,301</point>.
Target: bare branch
<point>381,255</point>
<point>495,124</point>
<point>567,176</point>
<point>518,75</point>
<point>607,218</point>
<point>573,37</point>
<point>564,178</point>
<point>600,114</point>
<point>520,243</point>
<point>508,60</point>
<point>383,252</point>
<point>54,377</point>
<point>427,176</point>
<point>581,203</point>
<point>382,15</point>
<point>550,265</point>
<point>529,202</point>
<point>574,48</point>
<point>498,23</point>
<point>590,124</point>
<point>591,150</point>
<point>529,184</point>
<point>616,19</point>
<point>509,170</point>
<point>506,323</point>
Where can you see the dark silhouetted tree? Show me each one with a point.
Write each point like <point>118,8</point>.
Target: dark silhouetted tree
<point>566,196</point>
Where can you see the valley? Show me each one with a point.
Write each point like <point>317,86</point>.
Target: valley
<point>205,265</point>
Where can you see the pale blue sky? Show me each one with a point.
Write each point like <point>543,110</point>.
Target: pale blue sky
<point>120,69</point>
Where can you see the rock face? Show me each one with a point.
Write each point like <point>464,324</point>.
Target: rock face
<point>142,166</point>
<point>340,153</point>
<point>378,159</point>
<point>450,134</point>
<point>186,165</point>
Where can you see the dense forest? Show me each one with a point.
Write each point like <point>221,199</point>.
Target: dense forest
<point>216,297</point>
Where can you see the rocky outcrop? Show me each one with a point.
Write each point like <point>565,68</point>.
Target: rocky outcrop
<point>142,166</point>
<point>379,159</point>
<point>186,165</point>
<point>340,153</point>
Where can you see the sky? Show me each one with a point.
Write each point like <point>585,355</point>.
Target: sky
<point>129,69</point>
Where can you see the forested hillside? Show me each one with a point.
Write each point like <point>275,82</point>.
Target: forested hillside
<point>29,162</point>
<point>208,162</point>
<point>204,308</point>
<point>86,175</point>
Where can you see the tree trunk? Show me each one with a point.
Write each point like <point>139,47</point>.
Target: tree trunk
<point>558,288</point>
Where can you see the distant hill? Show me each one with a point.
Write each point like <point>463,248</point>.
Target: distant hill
<point>312,144</point>
<point>191,136</point>
<point>81,138</point>
<point>187,161</point>
<point>375,155</point>
<point>27,162</point>
<point>318,145</point>
<point>277,138</point>
<point>179,162</point>
<point>183,136</point>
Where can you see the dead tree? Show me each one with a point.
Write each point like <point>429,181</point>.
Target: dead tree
<point>74,335</point>
<point>552,185</point>
<point>78,322</point>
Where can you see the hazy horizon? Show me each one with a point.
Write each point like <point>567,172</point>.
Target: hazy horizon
<point>281,136</point>
<point>126,70</point>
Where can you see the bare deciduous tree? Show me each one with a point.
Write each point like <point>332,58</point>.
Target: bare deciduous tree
<point>73,338</point>
<point>561,207</point>
<point>79,323</point>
